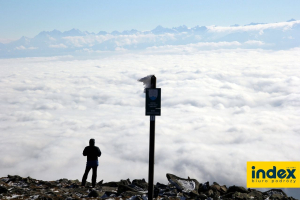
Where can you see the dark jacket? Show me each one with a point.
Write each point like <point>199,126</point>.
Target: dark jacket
<point>92,152</point>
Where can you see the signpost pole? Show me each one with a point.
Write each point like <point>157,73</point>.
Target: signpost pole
<point>151,148</point>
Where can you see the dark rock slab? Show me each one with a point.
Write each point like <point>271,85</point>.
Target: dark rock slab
<point>140,183</point>
<point>227,195</point>
<point>160,186</point>
<point>128,194</point>
<point>3,190</point>
<point>14,178</point>
<point>125,188</point>
<point>95,193</point>
<point>203,187</point>
<point>223,189</point>
<point>109,189</point>
<point>202,196</point>
<point>237,189</point>
<point>116,184</point>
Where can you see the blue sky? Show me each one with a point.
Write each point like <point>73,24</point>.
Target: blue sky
<point>28,18</point>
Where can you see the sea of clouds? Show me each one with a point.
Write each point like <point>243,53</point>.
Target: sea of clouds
<point>220,109</point>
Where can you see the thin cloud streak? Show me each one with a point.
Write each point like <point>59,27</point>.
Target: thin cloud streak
<point>256,27</point>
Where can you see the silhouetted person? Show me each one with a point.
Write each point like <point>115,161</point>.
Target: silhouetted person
<point>92,152</point>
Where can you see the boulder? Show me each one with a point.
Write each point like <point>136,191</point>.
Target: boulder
<point>223,189</point>
<point>237,189</point>
<point>216,187</point>
<point>209,193</point>
<point>116,184</point>
<point>109,189</point>
<point>203,187</point>
<point>77,182</point>
<point>125,188</point>
<point>128,194</point>
<point>256,194</point>
<point>275,192</point>
<point>3,190</point>
<point>202,196</point>
<point>160,186</point>
<point>241,196</point>
<point>140,183</point>
<point>100,183</point>
<point>63,180</point>
<point>169,192</point>
<point>108,194</point>
<point>14,178</point>
<point>95,193</point>
<point>184,185</point>
<point>227,195</point>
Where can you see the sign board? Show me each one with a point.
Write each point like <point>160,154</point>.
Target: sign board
<point>153,101</point>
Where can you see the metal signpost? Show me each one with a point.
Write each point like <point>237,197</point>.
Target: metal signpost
<point>152,107</point>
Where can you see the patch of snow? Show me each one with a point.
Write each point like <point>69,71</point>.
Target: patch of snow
<point>14,196</point>
<point>187,185</point>
<point>34,197</point>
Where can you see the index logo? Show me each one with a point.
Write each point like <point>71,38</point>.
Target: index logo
<point>273,174</point>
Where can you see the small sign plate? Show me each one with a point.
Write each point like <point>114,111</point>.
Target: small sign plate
<point>153,101</point>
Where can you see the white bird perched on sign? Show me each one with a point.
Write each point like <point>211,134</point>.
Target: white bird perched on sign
<point>146,81</point>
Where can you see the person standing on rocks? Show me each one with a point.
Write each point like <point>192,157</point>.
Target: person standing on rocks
<point>92,152</point>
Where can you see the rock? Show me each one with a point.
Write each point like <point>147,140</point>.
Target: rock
<point>161,186</point>
<point>237,189</point>
<point>110,184</point>
<point>128,194</point>
<point>216,188</point>
<point>14,178</point>
<point>223,189</point>
<point>276,197</point>
<point>3,190</point>
<point>241,196</point>
<point>140,183</point>
<point>50,185</point>
<point>256,194</point>
<point>202,196</point>
<point>125,188</point>
<point>128,180</point>
<point>185,185</point>
<point>275,191</point>
<point>95,193</point>
<point>16,187</point>
<point>100,182</point>
<point>169,192</point>
<point>116,184</point>
<point>63,180</point>
<point>109,189</point>
<point>203,187</point>
<point>209,193</point>
<point>227,195</point>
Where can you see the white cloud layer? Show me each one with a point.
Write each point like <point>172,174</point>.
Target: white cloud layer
<point>220,109</point>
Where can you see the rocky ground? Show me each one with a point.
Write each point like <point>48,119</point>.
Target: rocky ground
<point>16,187</point>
